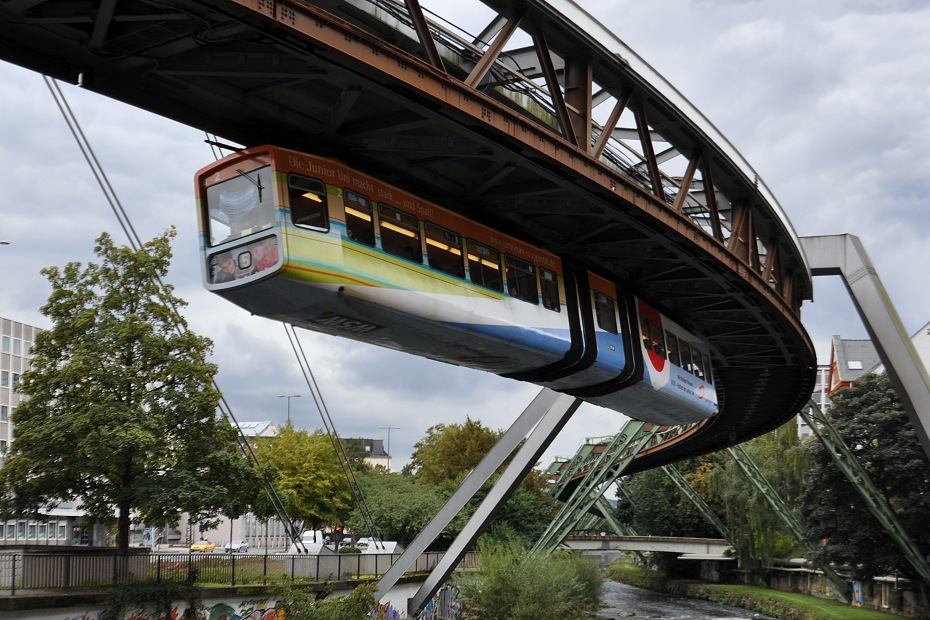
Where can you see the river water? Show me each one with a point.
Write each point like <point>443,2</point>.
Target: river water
<point>620,600</point>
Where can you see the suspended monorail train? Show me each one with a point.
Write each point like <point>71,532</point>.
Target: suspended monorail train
<point>312,242</point>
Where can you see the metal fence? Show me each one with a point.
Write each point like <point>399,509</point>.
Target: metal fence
<point>25,572</point>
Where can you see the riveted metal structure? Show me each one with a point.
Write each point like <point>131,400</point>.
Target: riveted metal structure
<point>540,122</point>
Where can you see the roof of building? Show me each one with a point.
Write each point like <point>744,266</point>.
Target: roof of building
<point>854,358</point>
<point>258,429</point>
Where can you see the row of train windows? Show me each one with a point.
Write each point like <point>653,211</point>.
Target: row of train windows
<point>667,345</point>
<point>446,251</point>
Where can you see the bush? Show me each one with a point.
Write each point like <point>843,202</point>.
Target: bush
<point>513,583</point>
<point>301,604</point>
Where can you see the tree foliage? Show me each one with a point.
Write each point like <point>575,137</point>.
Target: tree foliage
<point>870,419</point>
<point>401,506</point>
<point>450,450</point>
<point>658,507</point>
<point>758,533</point>
<point>304,468</point>
<point>121,409</point>
<point>515,584</point>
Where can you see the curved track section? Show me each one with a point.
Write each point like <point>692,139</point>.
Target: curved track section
<point>540,123</point>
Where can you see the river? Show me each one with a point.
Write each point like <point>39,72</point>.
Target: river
<point>621,600</point>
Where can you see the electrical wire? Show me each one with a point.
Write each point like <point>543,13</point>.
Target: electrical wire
<point>338,445</point>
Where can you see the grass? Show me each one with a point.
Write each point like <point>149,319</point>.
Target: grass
<point>775,603</point>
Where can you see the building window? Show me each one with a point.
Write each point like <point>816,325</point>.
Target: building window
<point>5,344</point>
<point>4,378</point>
<point>4,413</point>
<point>17,346</point>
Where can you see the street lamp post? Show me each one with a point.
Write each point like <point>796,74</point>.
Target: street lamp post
<point>389,429</point>
<point>289,397</point>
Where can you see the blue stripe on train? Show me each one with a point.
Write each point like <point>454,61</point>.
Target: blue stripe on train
<point>551,341</point>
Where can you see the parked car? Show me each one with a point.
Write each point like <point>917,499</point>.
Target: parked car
<point>203,546</point>
<point>363,542</point>
<point>236,546</point>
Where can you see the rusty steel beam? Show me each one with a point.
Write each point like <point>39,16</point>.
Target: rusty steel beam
<point>649,154</point>
<point>552,83</point>
<point>490,56</point>
<point>426,38</point>
<point>579,76</point>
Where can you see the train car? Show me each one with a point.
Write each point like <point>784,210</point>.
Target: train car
<point>310,241</point>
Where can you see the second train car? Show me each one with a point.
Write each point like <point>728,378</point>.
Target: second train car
<point>312,242</point>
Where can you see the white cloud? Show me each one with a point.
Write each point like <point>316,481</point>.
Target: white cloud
<point>829,101</point>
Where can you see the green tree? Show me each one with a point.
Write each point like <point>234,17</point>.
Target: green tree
<point>758,534</point>
<point>522,519</point>
<point>449,450</point>
<point>870,419</point>
<point>401,506</point>
<point>122,411</point>
<point>305,469</point>
<point>658,508</point>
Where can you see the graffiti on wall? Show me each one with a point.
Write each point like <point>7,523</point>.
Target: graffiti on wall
<point>245,610</point>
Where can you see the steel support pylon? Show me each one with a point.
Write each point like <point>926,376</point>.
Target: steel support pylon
<point>552,421</point>
<point>495,457</point>
<point>844,255</point>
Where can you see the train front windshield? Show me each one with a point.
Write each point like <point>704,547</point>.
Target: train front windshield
<point>240,206</point>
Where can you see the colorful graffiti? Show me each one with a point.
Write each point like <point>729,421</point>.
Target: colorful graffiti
<point>254,610</point>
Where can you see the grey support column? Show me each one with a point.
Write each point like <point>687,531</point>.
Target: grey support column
<point>469,486</point>
<point>537,442</point>
<point>843,255</point>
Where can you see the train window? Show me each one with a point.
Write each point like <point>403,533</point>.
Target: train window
<point>644,333</point>
<point>671,345</point>
<point>360,226</point>
<point>521,279</point>
<point>697,364</point>
<point>653,336</point>
<point>685,352</point>
<point>444,250</point>
<point>484,265</point>
<point>658,339</point>
<point>550,290</point>
<point>400,233</point>
<point>606,312</point>
<point>307,199</point>
<point>240,206</point>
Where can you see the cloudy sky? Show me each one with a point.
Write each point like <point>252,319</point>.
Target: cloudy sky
<point>829,101</point>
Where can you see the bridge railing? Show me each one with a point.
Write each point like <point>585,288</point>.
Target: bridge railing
<point>26,573</point>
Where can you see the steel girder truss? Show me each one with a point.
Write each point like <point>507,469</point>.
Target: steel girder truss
<point>697,500</point>
<point>609,465</point>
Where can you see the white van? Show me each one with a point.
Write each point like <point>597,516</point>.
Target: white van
<point>311,541</point>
